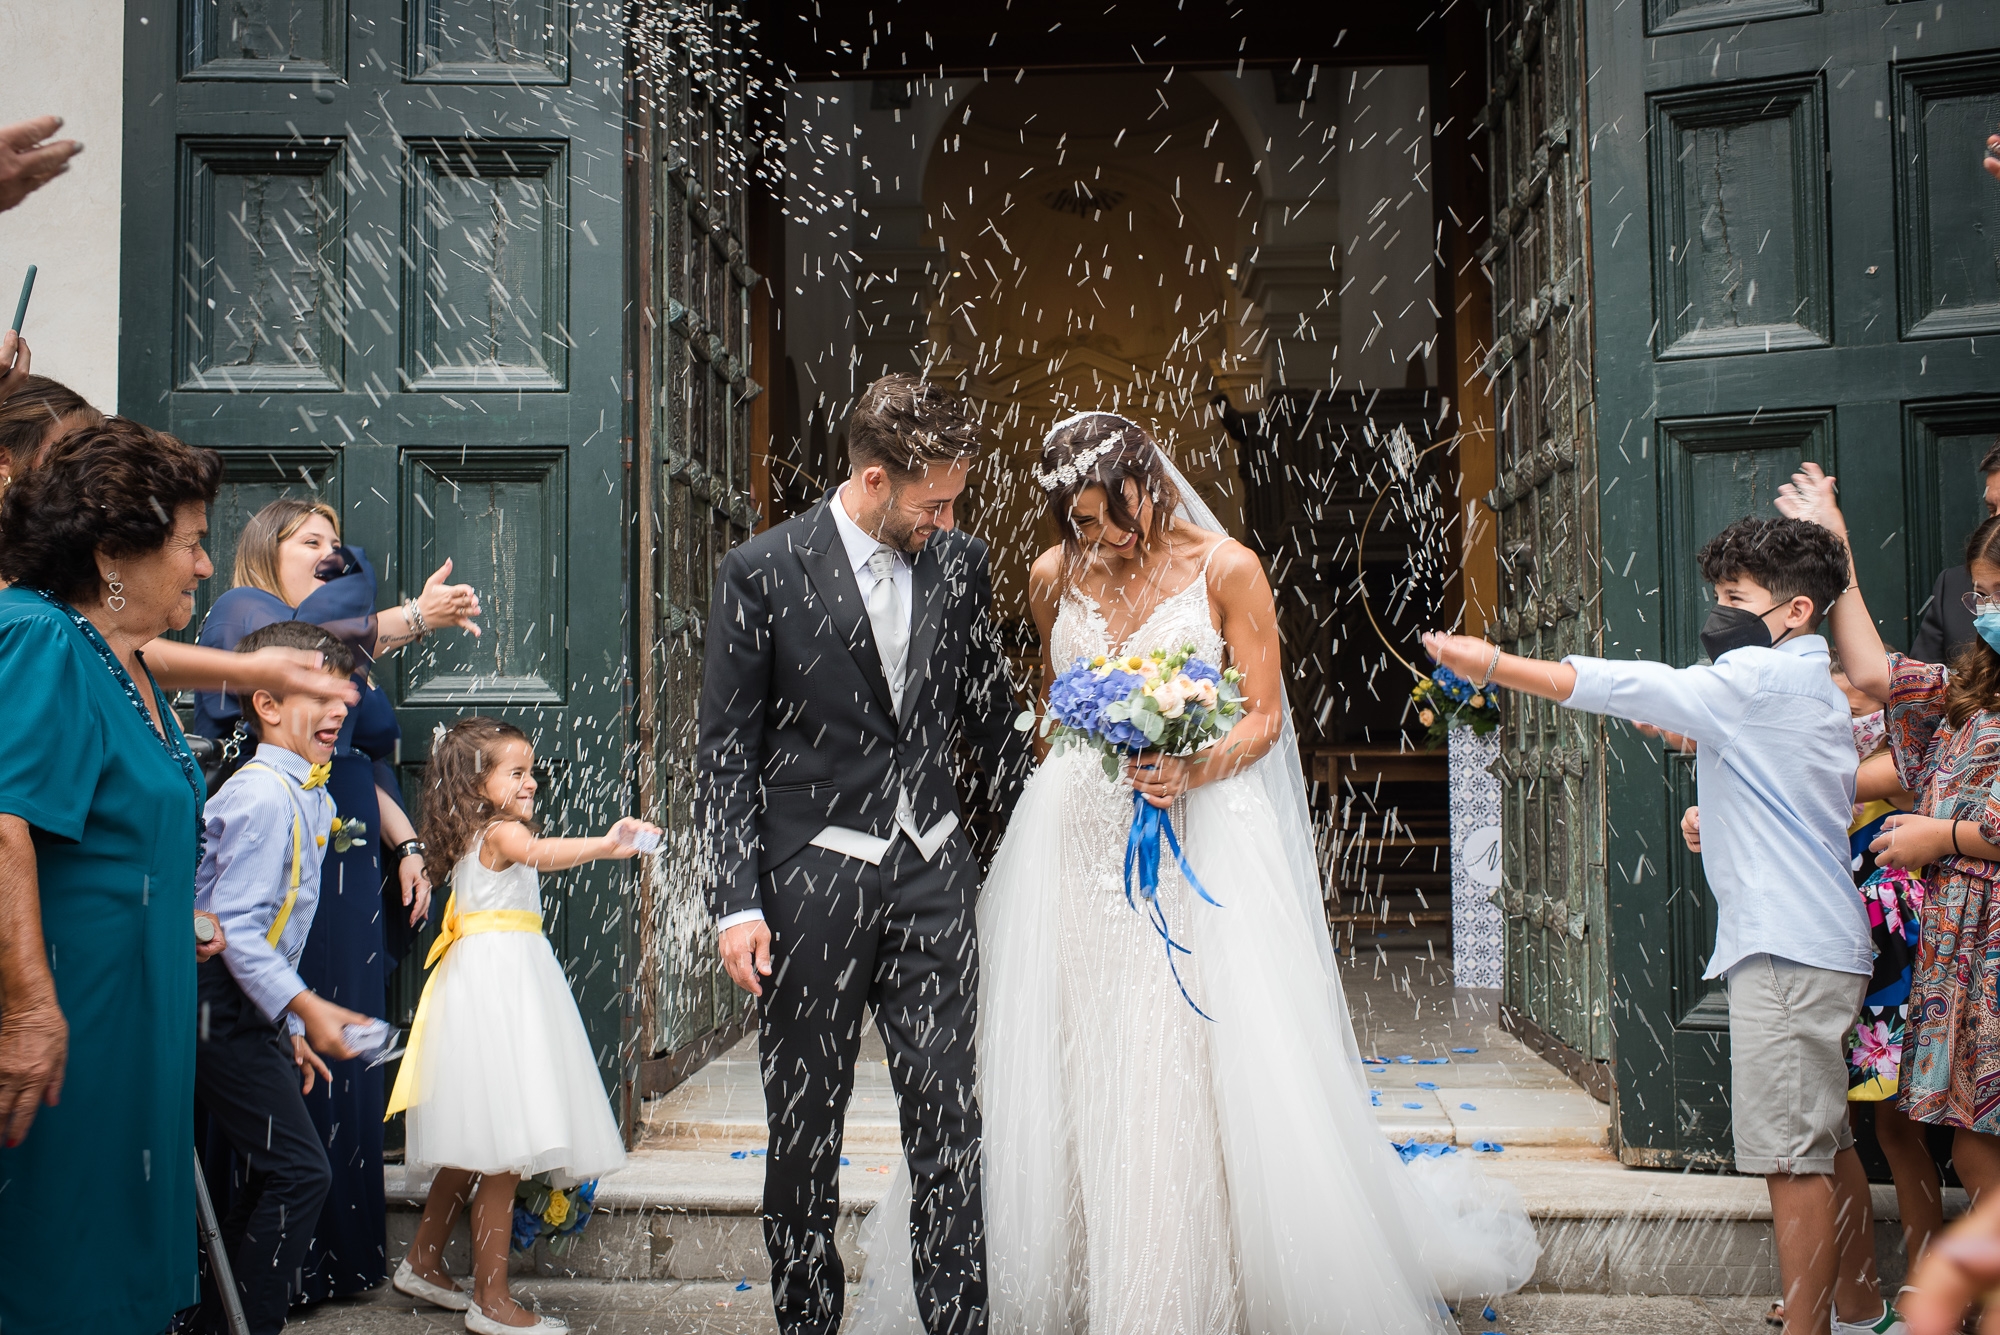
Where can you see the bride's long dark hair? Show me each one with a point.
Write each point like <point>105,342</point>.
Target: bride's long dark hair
<point>1132,457</point>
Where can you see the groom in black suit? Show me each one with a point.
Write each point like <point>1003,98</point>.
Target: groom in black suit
<point>848,653</point>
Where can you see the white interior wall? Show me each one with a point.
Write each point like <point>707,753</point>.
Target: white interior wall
<point>1387,226</point>
<point>67,59</point>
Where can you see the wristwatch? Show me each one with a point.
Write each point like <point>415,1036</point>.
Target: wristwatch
<point>409,848</point>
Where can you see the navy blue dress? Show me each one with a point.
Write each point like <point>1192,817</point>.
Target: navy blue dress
<point>347,957</point>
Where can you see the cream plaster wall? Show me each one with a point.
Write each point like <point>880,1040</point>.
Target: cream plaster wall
<point>66,58</point>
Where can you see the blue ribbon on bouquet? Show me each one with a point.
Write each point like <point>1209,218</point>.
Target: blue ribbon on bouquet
<point>1142,851</point>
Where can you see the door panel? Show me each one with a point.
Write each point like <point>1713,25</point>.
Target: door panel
<point>261,273</point>
<point>1944,444</point>
<point>697,382</point>
<point>1826,156</point>
<point>1739,220</point>
<point>1946,274</point>
<point>1715,470</point>
<point>355,233</point>
<point>1551,764</point>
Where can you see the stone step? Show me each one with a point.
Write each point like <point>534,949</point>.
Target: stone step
<point>646,1307</point>
<point>693,1216</point>
<point>1501,1093</point>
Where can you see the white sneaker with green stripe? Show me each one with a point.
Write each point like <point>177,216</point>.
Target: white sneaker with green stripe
<point>1889,1323</point>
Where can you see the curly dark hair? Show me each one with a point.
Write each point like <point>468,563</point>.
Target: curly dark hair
<point>1974,683</point>
<point>29,412</point>
<point>906,423</point>
<point>1787,556</point>
<point>1133,457</point>
<point>111,488</point>
<point>456,808</point>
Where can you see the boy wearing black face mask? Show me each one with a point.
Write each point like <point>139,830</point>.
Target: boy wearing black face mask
<point>1774,777</point>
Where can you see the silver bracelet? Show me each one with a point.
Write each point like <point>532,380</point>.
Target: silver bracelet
<point>415,615</point>
<point>1491,668</point>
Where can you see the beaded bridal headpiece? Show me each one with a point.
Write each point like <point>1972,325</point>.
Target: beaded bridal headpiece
<point>1068,473</point>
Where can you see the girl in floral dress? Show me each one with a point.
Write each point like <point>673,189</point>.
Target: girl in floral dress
<point>1944,731</point>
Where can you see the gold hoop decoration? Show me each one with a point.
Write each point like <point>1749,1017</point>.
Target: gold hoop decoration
<point>1360,544</point>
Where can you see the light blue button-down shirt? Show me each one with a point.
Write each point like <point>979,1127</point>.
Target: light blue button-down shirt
<point>247,872</point>
<point>1774,775</point>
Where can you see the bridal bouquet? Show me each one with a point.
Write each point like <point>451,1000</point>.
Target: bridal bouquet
<point>1173,704</point>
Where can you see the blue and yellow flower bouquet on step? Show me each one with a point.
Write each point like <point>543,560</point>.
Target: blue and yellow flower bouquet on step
<point>547,1213</point>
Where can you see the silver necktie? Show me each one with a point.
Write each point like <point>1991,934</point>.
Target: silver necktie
<point>890,620</point>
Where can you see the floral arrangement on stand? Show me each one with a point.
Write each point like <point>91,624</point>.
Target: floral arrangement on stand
<point>544,1212</point>
<point>1445,700</point>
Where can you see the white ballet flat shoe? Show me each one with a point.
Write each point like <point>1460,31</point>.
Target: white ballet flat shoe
<point>479,1323</point>
<point>407,1281</point>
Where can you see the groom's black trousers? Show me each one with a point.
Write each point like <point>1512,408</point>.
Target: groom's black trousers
<point>899,937</point>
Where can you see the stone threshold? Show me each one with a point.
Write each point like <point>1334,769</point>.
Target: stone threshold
<point>1605,1228</point>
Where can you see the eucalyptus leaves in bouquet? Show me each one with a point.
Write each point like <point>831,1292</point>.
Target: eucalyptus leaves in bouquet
<point>1445,700</point>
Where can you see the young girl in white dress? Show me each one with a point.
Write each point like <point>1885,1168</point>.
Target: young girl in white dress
<point>499,1078</point>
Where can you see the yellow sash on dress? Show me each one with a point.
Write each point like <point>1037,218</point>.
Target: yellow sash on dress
<point>453,926</point>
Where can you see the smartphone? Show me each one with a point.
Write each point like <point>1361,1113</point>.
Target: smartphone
<point>21,307</point>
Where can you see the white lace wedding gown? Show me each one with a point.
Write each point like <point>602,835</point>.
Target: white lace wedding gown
<point>1150,1172</point>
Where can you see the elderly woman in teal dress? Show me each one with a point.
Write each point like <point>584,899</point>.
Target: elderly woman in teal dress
<point>100,804</point>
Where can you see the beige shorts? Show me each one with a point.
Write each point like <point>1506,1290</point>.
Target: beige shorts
<point>1788,1028</point>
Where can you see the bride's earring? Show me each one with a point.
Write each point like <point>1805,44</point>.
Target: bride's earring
<point>116,602</point>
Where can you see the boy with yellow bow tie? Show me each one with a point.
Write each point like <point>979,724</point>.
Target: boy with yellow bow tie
<point>259,1029</point>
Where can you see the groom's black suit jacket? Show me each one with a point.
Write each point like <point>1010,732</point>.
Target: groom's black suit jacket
<point>796,731</point>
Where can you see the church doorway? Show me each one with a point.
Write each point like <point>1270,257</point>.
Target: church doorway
<point>1244,262</point>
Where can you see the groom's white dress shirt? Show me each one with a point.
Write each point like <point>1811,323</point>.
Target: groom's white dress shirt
<point>862,548</point>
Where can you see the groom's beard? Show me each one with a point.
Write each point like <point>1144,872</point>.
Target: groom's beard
<point>898,530</point>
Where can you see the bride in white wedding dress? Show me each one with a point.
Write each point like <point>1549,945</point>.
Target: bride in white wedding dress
<point>1149,1171</point>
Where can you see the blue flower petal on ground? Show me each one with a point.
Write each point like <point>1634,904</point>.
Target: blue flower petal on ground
<point>1422,1149</point>
<point>1425,1084</point>
<point>1488,1147</point>
<point>1418,1106</point>
<point>1468,1107</point>
<point>1465,1049</point>
<point>739,1154</point>
<point>744,1287</point>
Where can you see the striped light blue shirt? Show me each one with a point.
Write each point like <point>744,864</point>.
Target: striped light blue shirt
<point>1774,775</point>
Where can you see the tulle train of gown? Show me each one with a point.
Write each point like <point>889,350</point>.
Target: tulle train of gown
<point>1149,1172</point>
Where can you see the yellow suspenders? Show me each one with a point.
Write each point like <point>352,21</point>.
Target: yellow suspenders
<point>298,858</point>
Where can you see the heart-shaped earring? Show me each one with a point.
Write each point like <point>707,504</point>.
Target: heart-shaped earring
<point>116,602</point>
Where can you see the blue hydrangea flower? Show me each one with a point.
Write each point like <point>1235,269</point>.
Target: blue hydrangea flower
<point>1196,670</point>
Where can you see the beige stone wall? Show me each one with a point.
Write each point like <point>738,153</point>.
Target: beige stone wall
<point>67,59</point>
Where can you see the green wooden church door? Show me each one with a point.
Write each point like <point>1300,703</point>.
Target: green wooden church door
<point>1792,246</point>
<point>1551,765</point>
<point>373,251</point>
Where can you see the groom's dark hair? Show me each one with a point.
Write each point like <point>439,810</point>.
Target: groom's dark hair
<point>906,423</point>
